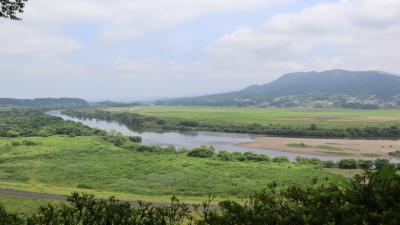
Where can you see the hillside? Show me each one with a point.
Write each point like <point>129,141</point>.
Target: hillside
<point>64,102</point>
<point>332,88</point>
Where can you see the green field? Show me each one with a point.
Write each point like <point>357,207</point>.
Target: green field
<point>327,118</point>
<point>22,205</point>
<point>60,165</point>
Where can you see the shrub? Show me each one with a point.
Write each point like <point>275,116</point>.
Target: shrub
<point>29,143</point>
<point>135,139</point>
<point>330,164</point>
<point>281,159</point>
<point>225,156</point>
<point>12,133</point>
<point>15,143</point>
<point>365,164</point>
<point>256,157</point>
<point>395,153</point>
<point>380,163</point>
<point>347,164</point>
<point>202,152</point>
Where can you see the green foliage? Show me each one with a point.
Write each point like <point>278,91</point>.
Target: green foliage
<point>395,153</point>
<point>31,123</point>
<point>380,163</point>
<point>9,219</point>
<point>61,163</point>
<point>301,145</point>
<point>365,164</point>
<point>281,159</point>
<point>10,8</point>
<point>202,152</point>
<point>314,161</point>
<point>372,198</point>
<point>348,164</point>
<point>85,209</point>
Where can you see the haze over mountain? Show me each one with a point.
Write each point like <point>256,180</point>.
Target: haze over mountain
<point>332,88</point>
<point>62,102</point>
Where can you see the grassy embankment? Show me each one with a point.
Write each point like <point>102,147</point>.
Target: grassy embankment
<point>323,118</point>
<point>60,165</point>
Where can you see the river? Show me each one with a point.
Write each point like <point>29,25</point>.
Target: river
<point>192,139</point>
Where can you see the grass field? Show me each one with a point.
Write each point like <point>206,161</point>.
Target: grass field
<point>23,206</point>
<point>60,165</point>
<point>328,118</point>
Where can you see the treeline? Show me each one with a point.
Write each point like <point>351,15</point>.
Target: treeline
<point>209,152</point>
<point>371,198</point>
<point>139,122</point>
<point>30,123</point>
<point>60,102</point>
<point>131,144</point>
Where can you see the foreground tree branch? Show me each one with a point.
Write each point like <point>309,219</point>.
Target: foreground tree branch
<point>10,8</point>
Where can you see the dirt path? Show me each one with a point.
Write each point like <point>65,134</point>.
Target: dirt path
<point>27,194</point>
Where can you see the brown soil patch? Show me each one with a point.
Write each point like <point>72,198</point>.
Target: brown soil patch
<point>331,147</point>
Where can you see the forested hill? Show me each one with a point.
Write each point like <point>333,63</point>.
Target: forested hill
<point>64,102</point>
<point>337,88</point>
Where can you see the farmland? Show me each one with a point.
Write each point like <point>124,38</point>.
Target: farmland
<point>297,117</point>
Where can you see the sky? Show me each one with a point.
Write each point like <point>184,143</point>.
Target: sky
<point>129,50</point>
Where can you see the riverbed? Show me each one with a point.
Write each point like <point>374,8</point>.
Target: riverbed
<point>219,140</point>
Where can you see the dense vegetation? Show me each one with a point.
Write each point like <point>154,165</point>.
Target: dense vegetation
<point>372,198</point>
<point>55,102</point>
<point>29,123</point>
<point>142,122</point>
<point>61,164</point>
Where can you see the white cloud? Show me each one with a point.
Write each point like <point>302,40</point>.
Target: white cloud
<point>127,19</point>
<point>360,34</point>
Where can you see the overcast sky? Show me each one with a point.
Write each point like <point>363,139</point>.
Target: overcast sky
<point>140,49</point>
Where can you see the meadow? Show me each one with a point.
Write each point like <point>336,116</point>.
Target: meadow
<point>61,165</point>
<point>297,117</point>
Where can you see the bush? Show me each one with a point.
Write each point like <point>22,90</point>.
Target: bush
<point>9,219</point>
<point>347,164</point>
<point>202,152</point>
<point>395,153</point>
<point>330,164</point>
<point>225,156</point>
<point>29,143</point>
<point>380,163</point>
<point>281,159</point>
<point>135,139</point>
<point>256,157</point>
<point>365,164</point>
<point>373,202</point>
<point>15,143</point>
<point>12,133</point>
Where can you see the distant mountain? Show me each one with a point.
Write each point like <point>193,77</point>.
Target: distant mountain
<point>116,104</point>
<point>62,102</point>
<point>332,88</point>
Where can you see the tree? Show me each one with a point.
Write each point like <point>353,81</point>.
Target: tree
<point>10,8</point>
<point>348,164</point>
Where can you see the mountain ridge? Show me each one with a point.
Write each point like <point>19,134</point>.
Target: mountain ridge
<point>336,87</point>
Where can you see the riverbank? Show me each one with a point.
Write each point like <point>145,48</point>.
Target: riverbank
<point>327,147</point>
